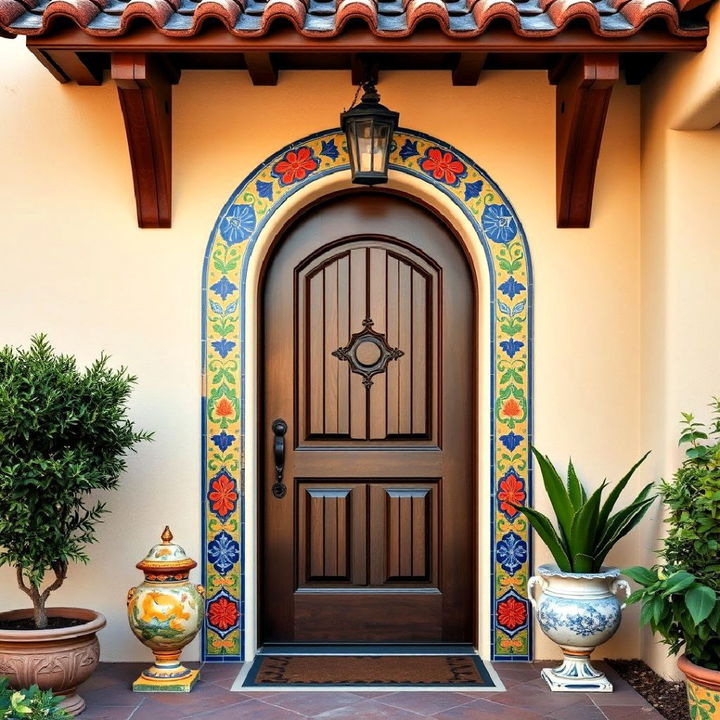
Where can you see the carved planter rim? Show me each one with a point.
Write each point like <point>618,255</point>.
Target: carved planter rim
<point>95,621</point>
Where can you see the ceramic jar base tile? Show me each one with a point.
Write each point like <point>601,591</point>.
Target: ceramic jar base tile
<point>166,675</point>
<point>578,611</point>
<point>165,613</point>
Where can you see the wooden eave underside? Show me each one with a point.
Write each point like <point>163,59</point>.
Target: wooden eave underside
<point>145,64</point>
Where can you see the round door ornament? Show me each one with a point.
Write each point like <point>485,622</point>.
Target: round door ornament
<point>368,353</point>
<point>165,613</point>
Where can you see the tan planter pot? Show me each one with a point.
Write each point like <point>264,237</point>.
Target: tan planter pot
<point>57,660</point>
<point>703,689</point>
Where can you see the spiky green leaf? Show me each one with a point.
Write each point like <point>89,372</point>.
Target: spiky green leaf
<point>557,492</point>
<point>544,528</point>
<point>615,493</point>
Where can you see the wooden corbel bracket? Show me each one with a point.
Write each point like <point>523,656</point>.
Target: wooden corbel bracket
<point>584,85</point>
<point>144,87</point>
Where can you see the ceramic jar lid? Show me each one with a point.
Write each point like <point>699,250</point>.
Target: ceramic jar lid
<point>166,558</point>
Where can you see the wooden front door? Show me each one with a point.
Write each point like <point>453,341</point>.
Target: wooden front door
<point>368,350</point>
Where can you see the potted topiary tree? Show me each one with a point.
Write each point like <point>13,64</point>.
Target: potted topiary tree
<point>63,436</point>
<point>680,595</point>
<point>577,607</point>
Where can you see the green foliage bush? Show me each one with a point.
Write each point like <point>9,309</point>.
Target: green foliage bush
<point>30,704</point>
<point>63,435</point>
<point>587,529</point>
<point>679,595</point>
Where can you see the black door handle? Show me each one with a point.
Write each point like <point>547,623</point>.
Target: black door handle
<point>279,428</point>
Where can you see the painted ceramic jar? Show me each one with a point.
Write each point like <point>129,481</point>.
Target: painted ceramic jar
<point>165,613</point>
<point>703,690</point>
<point>578,611</point>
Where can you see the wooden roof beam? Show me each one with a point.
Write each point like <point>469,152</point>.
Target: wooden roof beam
<point>144,88</point>
<point>468,68</point>
<point>582,97</point>
<point>261,67</point>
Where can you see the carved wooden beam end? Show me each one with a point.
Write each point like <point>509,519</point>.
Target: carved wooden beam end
<point>584,85</point>
<point>144,87</point>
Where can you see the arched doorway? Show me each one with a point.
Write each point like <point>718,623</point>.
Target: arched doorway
<point>461,192</point>
<point>367,414</point>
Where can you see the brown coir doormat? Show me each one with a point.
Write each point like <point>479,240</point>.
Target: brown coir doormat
<point>368,671</point>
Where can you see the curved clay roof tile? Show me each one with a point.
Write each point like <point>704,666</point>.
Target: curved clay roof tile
<point>485,11</point>
<point>10,11</point>
<point>418,10</point>
<point>80,11</point>
<point>226,11</point>
<point>292,10</point>
<point>561,12</point>
<point>356,9</point>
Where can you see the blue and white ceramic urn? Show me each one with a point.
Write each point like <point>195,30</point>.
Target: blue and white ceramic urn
<point>578,611</point>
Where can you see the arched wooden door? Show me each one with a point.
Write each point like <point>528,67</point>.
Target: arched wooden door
<point>368,356</point>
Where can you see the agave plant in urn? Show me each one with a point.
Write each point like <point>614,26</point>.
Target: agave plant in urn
<point>165,613</point>
<point>577,607</point>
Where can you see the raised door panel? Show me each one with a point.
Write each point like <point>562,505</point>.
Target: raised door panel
<point>332,534</point>
<point>367,345</point>
<point>404,534</point>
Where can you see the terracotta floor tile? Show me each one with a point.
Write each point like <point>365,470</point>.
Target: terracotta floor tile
<point>524,672</point>
<point>311,704</point>
<point>220,671</point>
<point>631,712</point>
<point>239,711</point>
<point>204,696</point>
<point>369,710</point>
<point>577,712</point>
<point>98,712</point>
<point>109,697</point>
<point>537,697</point>
<point>426,703</point>
<point>486,710</point>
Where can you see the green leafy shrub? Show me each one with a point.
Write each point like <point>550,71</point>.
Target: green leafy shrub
<point>30,704</point>
<point>63,436</point>
<point>679,595</point>
<point>586,528</point>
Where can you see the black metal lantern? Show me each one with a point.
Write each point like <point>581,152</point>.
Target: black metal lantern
<point>369,128</point>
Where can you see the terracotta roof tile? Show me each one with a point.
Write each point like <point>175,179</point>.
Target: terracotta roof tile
<point>327,18</point>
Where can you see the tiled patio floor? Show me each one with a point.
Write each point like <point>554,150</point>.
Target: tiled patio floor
<point>109,697</point>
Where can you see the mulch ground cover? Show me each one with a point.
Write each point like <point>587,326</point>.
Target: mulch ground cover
<point>668,698</point>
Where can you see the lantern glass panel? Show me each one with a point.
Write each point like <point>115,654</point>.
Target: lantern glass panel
<point>380,147</point>
<point>364,133</point>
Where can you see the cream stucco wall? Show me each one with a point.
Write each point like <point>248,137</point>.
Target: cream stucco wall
<point>75,265</point>
<point>680,261</point>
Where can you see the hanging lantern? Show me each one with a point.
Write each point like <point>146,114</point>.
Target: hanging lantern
<point>369,128</point>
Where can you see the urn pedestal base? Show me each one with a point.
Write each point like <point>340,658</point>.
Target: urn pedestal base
<point>576,674</point>
<point>166,675</point>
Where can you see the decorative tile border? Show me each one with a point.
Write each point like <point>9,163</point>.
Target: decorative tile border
<point>224,276</point>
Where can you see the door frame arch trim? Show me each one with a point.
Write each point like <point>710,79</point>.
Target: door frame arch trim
<point>293,177</point>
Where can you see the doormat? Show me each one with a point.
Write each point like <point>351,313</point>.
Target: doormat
<point>368,672</point>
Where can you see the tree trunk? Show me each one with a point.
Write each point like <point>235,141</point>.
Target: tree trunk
<point>39,611</point>
<point>38,598</point>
